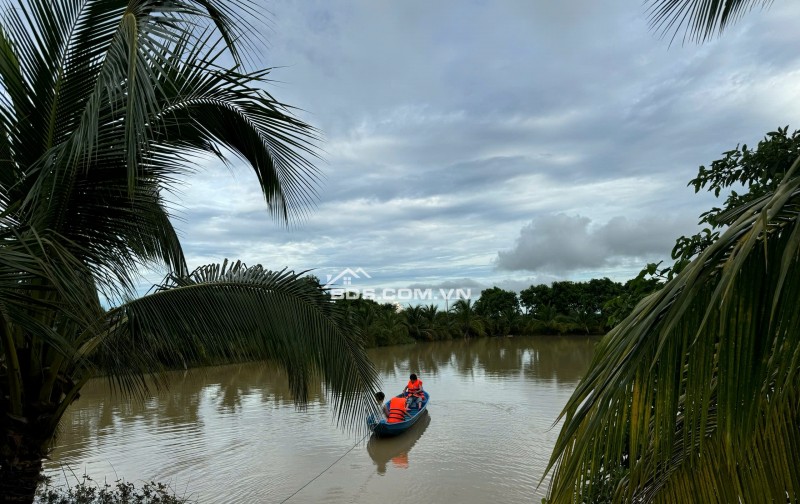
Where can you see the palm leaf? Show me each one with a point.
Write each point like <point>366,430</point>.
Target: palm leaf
<point>132,93</point>
<point>234,312</point>
<point>700,19</point>
<point>697,373</point>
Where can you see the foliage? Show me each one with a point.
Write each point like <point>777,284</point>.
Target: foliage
<point>105,107</point>
<point>701,19</point>
<point>468,322</point>
<point>758,171</point>
<point>379,324</point>
<point>493,302</point>
<point>561,308</point>
<point>535,298</point>
<point>89,492</point>
<point>649,280</point>
<point>500,310</point>
<point>590,307</point>
<point>695,395</point>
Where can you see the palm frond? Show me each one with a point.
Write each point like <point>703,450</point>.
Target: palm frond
<point>697,372</point>
<point>130,90</point>
<point>39,277</point>
<point>234,312</point>
<point>210,110</point>
<point>699,19</point>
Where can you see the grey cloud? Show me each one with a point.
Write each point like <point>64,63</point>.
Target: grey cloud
<point>449,129</point>
<point>561,243</point>
<point>464,283</point>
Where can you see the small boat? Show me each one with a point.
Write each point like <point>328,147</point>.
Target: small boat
<point>383,428</point>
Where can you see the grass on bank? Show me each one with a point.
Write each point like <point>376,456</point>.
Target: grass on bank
<point>88,491</point>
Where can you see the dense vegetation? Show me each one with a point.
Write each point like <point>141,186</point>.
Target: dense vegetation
<point>565,307</point>
<point>695,396</point>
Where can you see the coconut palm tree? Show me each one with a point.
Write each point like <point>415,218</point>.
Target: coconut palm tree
<point>435,322</point>
<point>696,395</point>
<point>467,320</point>
<point>412,318</point>
<point>104,106</point>
<point>391,326</point>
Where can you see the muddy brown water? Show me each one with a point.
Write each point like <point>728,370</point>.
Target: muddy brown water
<point>232,434</point>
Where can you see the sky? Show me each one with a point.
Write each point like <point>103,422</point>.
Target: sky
<point>479,143</point>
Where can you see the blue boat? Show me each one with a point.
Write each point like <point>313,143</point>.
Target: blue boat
<point>383,428</point>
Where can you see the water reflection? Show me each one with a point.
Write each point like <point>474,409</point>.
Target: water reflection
<point>101,412</point>
<point>238,424</point>
<point>396,449</point>
<point>561,358</point>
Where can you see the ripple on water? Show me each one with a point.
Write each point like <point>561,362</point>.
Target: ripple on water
<point>230,434</point>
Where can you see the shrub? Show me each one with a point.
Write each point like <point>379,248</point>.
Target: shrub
<point>90,492</point>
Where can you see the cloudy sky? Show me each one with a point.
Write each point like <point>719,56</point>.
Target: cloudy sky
<point>511,143</point>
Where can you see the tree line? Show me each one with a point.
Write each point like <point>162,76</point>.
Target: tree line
<point>565,307</point>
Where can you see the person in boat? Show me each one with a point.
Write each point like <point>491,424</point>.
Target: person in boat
<point>379,397</point>
<point>413,392</point>
<point>397,411</point>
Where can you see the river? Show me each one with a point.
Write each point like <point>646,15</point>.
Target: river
<point>232,434</point>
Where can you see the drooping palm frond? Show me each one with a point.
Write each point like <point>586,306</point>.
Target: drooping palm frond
<point>693,391</point>
<point>234,312</point>
<point>700,19</point>
<point>39,275</point>
<point>105,97</point>
<point>208,108</point>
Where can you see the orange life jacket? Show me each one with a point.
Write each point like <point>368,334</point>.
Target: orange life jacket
<point>397,410</point>
<point>415,388</point>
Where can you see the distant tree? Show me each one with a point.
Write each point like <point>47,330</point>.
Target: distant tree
<point>435,322</point>
<point>597,292</point>
<point>415,323</point>
<point>493,302</point>
<point>616,309</point>
<point>536,297</point>
<point>566,297</point>
<point>510,321</point>
<point>547,321</point>
<point>494,305</point>
<point>443,322</point>
<point>380,324</point>
<point>581,304</point>
<point>391,326</point>
<point>467,320</point>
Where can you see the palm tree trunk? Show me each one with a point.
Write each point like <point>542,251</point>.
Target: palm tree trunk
<point>20,468</point>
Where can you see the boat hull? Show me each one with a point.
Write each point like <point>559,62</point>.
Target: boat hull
<point>386,429</point>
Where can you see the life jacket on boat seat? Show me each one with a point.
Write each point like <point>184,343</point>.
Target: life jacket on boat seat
<point>397,410</point>
<point>415,388</point>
